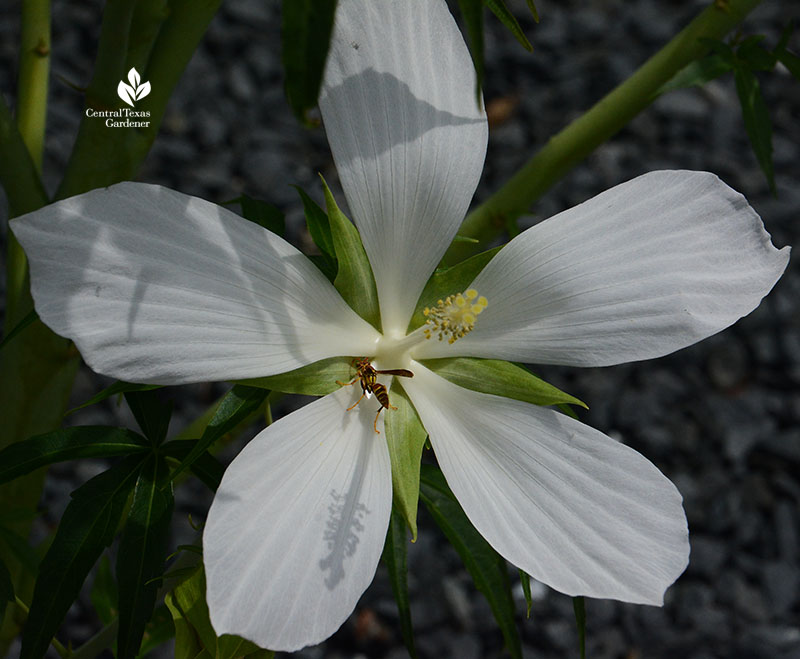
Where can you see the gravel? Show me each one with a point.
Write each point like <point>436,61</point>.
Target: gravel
<point>719,418</point>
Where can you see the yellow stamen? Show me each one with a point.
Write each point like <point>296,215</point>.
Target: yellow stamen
<point>455,316</point>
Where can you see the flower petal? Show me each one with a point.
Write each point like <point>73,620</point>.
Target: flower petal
<point>297,526</point>
<point>639,271</point>
<point>156,286</point>
<point>407,135</point>
<point>564,502</point>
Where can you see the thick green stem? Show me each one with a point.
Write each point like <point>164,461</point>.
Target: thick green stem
<point>570,146</point>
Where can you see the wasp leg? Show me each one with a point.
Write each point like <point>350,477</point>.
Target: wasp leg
<point>347,384</point>
<point>358,401</point>
<point>375,425</point>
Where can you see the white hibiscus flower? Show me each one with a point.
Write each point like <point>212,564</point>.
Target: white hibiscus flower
<point>155,286</point>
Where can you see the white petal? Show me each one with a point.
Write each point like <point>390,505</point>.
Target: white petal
<point>639,271</point>
<point>567,504</point>
<point>408,137</point>
<point>156,286</point>
<point>297,526</point>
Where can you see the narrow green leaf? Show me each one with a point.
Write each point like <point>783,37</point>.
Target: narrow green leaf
<point>67,444</point>
<point>142,550</point>
<point>755,57</point>
<point>525,580</point>
<point>406,437</point>
<point>206,467</point>
<point>317,379</point>
<point>151,413</point>
<point>579,606</point>
<point>756,121</point>
<point>533,10</point>
<point>472,13</point>
<point>318,224</point>
<point>119,387</point>
<point>395,554</point>
<point>486,567</point>
<point>104,593</point>
<point>20,549</point>
<point>194,635</point>
<point>158,631</point>
<point>87,527</point>
<point>29,318</point>
<point>263,214</point>
<point>6,587</point>
<point>354,279</point>
<point>305,36</point>
<point>697,73</point>
<point>448,281</point>
<point>500,10</point>
<point>791,62</point>
<point>494,376</point>
<point>236,406</point>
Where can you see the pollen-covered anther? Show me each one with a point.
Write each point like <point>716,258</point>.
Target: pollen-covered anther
<point>455,316</point>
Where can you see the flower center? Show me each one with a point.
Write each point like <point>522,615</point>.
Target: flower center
<point>455,316</point>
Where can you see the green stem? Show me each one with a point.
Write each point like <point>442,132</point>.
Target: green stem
<point>570,146</point>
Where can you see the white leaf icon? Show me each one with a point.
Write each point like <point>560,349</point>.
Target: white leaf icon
<point>134,78</point>
<point>126,93</point>
<point>143,91</point>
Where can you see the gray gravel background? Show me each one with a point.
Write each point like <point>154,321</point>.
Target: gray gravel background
<point>720,418</point>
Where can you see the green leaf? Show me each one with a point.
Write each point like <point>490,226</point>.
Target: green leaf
<point>194,635</point>
<point>448,281</point>
<point>151,413</point>
<point>472,13</point>
<point>29,318</point>
<point>752,53</point>
<point>317,379</point>
<point>354,279</point>
<point>305,36</point>
<point>67,444</point>
<point>6,587</point>
<point>486,567</point>
<point>20,549</point>
<point>119,387</point>
<point>406,437</point>
<point>263,214</point>
<point>206,467</point>
<point>500,10</point>
<point>104,593</point>
<point>756,121</point>
<point>395,554</point>
<point>533,10</point>
<point>318,224</point>
<point>579,606</point>
<point>697,73</point>
<point>142,550</point>
<point>791,62</point>
<point>158,631</point>
<point>494,376</point>
<point>525,580</point>
<point>87,527</point>
<point>237,405</point>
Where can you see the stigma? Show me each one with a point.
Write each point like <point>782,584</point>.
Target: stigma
<point>455,316</point>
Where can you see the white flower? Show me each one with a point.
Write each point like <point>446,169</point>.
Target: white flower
<point>154,286</point>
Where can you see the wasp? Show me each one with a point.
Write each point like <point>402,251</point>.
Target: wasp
<point>367,375</point>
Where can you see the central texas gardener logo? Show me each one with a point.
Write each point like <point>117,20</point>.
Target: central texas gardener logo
<point>137,90</point>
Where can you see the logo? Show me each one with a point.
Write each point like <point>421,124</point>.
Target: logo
<point>134,91</point>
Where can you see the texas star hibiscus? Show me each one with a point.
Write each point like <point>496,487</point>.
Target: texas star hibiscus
<point>154,286</point>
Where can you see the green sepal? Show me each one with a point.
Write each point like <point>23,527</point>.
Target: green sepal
<point>354,279</point>
<point>151,413</point>
<point>525,582</point>
<point>142,550</point>
<point>487,568</point>
<point>499,9</point>
<point>87,527</point>
<point>206,467</point>
<point>305,36</point>
<point>395,555</point>
<point>67,444</point>
<point>263,214</point>
<point>501,378</point>
<point>405,437</point>
<point>235,406</point>
<point>579,607</point>
<point>317,379</point>
<point>119,387</point>
<point>448,281</point>
<point>319,226</point>
<point>104,593</point>
<point>29,318</point>
<point>194,636</point>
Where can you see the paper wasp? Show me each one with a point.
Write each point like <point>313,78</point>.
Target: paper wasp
<point>367,375</point>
